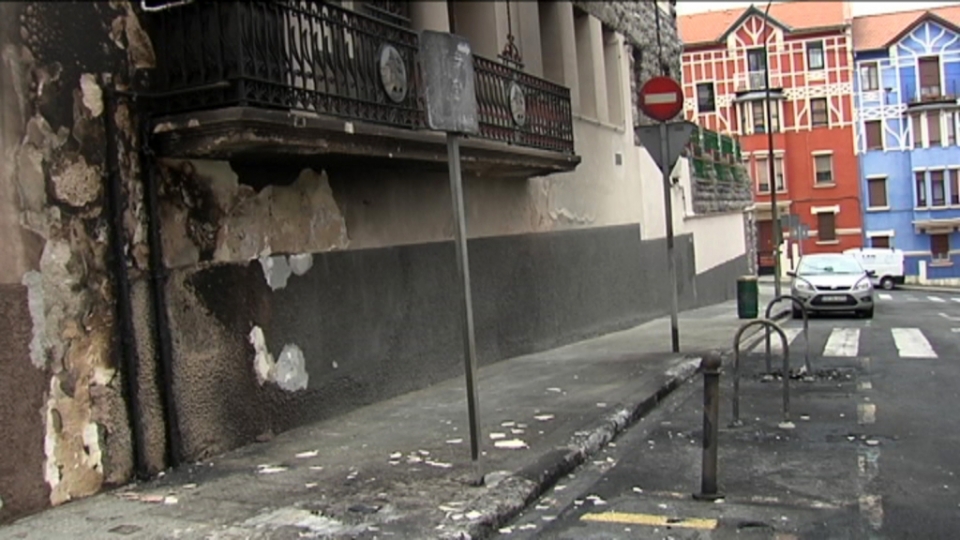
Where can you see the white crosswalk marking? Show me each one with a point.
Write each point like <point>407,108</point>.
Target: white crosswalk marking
<point>885,296</point>
<point>911,343</point>
<point>936,299</point>
<point>956,299</point>
<point>843,342</point>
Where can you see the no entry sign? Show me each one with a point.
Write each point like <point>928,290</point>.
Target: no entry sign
<point>661,98</point>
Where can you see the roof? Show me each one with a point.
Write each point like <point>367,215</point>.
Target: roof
<point>797,16</point>
<point>874,32</point>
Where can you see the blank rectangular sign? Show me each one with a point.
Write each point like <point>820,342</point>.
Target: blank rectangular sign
<point>447,63</point>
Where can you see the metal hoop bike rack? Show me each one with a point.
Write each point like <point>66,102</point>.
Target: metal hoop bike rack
<point>768,324</point>
<point>806,331</point>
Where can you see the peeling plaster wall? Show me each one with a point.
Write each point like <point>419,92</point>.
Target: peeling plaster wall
<point>61,406</point>
<point>300,291</point>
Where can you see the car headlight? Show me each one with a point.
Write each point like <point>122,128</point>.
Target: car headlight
<point>803,286</point>
<point>863,285</point>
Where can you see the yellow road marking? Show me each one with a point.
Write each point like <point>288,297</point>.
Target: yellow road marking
<point>651,519</point>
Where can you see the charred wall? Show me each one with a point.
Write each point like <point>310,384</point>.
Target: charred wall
<point>62,407</point>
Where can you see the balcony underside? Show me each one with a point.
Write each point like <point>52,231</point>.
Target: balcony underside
<point>245,133</point>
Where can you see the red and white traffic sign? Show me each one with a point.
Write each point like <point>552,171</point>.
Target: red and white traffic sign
<point>661,98</point>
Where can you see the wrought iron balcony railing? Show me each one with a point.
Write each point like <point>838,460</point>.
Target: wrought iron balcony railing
<point>521,109</point>
<point>942,92</point>
<point>290,54</point>
<point>322,58</point>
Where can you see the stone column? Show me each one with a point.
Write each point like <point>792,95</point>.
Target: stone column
<point>593,82</point>
<point>429,15</point>
<point>483,23</point>
<point>526,29</point>
<point>557,37</point>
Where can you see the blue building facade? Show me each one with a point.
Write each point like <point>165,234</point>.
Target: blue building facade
<point>906,97</point>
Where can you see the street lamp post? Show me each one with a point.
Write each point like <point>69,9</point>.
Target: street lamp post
<point>771,169</point>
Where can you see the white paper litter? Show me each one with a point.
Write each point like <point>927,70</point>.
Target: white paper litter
<point>543,417</point>
<point>496,436</point>
<point>308,454</point>
<point>512,444</point>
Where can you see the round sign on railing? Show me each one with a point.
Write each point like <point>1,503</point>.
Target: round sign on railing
<point>518,104</point>
<point>393,73</point>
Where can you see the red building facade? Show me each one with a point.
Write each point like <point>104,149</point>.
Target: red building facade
<point>809,51</point>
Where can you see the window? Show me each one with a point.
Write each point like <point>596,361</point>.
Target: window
<point>818,112</point>
<point>815,55</point>
<point>915,127</point>
<point>869,77</point>
<point>921,183</point>
<point>937,195</point>
<point>824,169</point>
<point>756,60</point>
<point>954,183</point>
<point>951,128</point>
<point>929,69</point>
<point>880,241</point>
<point>759,114</point>
<point>826,227</point>
<point>763,175</point>
<point>778,171</point>
<point>933,128</point>
<point>759,117</point>
<point>876,192</point>
<point>874,133</point>
<point>705,101</point>
<point>940,246</point>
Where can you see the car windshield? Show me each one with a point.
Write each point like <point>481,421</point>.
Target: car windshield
<point>819,266</point>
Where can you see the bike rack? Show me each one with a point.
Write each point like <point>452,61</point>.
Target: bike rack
<point>767,323</point>
<point>806,330</point>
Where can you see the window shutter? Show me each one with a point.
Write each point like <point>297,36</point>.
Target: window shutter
<point>826,226</point>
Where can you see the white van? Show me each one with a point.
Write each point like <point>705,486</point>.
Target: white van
<point>887,263</point>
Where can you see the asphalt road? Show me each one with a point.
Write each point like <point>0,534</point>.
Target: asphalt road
<point>875,451</point>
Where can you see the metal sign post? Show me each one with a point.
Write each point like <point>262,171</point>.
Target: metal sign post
<point>661,98</point>
<point>447,64</point>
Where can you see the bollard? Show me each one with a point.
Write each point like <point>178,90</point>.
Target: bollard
<point>711,420</point>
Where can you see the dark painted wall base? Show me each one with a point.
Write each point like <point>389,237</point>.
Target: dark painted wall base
<point>376,323</point>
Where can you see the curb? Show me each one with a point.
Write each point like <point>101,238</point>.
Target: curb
<point>953,290</point>
<point>510,496</point>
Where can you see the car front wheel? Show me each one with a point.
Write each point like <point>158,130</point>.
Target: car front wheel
<point>887,283</point>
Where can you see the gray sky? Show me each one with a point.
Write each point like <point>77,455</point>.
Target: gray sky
<point>864,7</point>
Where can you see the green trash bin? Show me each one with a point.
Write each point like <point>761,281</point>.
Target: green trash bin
<point>748,297</point>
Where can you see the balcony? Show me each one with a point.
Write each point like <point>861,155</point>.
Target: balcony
<point>720,181</point>
<point>937,96</point>
<point>274,79</point>
<point>753,81</point>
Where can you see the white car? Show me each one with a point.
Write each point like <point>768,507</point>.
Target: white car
<point>833,282</point>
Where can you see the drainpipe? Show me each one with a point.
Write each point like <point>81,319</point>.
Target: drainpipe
<point>161,325</point>
<point>125,331</point>
<point>158,280</point>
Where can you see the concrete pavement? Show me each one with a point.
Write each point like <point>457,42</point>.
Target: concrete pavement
<point>402,467</point>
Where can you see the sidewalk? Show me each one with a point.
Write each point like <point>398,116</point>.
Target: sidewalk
<point>402,467</point>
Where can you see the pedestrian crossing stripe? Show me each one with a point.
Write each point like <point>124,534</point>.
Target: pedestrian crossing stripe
<point>936,299</point>
<point>625,518</point>
<point>885,296</point>
<point>842,342</point>
<point>845,342</point>
<point>911,343</point>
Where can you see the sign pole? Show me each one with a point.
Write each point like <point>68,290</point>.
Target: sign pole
<point>671,253</point>
<point>463,269</point>
<point>446,62</point>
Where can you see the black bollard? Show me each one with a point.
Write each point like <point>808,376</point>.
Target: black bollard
<point>710,365</point>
